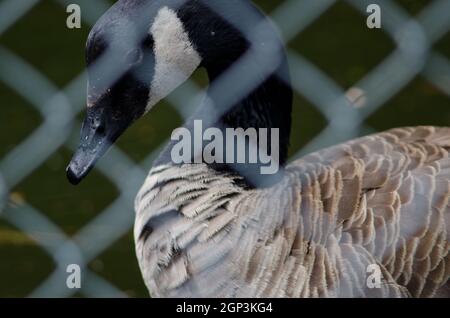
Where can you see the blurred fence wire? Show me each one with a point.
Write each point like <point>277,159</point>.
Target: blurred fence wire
<point>413,55</point>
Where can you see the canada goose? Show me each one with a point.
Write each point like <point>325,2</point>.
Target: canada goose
<point>316,230</point>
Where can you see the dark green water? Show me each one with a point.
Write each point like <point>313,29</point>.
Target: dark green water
<point>338,42</point>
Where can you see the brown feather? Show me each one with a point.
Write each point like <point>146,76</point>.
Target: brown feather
<point>381,199</point>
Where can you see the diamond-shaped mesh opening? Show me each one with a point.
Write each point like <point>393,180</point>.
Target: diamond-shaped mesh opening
<point>24,264</point>
<point>118,259</point>
<point>413,7</point>
<point>349,51</point>
<point>417,104</point>
<point>16,123</point>
<point>67,206</point>
<point>268,6</point>
<point>307,122</point>
<point>443,45</point>
<point>56,51</point>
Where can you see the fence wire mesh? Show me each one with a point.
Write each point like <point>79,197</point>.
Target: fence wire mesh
<point>345,111</point>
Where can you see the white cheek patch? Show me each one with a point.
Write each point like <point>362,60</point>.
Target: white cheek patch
<point>175,57</point>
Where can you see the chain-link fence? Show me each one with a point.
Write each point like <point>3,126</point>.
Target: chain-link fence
<point>345,112</point>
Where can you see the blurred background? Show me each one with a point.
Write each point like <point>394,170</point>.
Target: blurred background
<point>46,223</point>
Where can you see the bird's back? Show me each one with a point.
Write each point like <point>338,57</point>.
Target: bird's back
<point>375,207</point>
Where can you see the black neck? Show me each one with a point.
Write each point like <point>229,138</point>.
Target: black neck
<point>268,104</point>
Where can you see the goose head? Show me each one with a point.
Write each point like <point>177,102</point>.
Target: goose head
<point>138,53</point>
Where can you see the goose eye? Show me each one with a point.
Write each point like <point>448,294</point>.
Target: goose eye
<point>133,56</point>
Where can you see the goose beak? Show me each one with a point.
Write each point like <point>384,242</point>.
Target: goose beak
<point>99,131</point>
<point>82,163</point>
